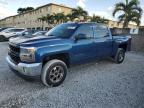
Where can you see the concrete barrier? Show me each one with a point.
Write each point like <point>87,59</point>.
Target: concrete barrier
<point>137,43</point>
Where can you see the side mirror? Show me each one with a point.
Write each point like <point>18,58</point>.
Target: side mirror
<point>81,36</point>
<point>107,35</point>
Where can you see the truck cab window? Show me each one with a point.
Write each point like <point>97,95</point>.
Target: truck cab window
<point>85,29</point>
<point>101,31</point>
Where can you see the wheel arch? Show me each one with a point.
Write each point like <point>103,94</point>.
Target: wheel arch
<point>124,46</point>
<point>60,56</point>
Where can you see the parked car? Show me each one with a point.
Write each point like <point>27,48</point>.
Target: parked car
<point>10,32</point>
<point>30,33</point>
<point>39,33</point>
<point>27,33</point>
<point>2,29</point>
<point>49,57</point>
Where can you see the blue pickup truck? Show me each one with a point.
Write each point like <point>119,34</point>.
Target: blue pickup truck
<point>48,57</point>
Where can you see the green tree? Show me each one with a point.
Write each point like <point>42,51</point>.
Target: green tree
<point>43,19</point>
<point>49,19</point>
<point>70,17</point>
<point>98,19</point>
<point>20,10</point>
<point>130,11</point>
<point>29,8</point>
<point>60,18</point>
<point>78,12</point>
<point>23,10</point>
<point>104,21</point>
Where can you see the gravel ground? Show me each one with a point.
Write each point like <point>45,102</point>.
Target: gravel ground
<point>101,84</point>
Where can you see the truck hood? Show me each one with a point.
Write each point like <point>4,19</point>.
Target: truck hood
<point>37,41</point>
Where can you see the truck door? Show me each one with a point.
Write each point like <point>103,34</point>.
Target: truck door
<point>102,41</point>
<point>82,49</point>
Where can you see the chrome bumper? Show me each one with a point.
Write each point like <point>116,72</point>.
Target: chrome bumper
<point>25,69</point>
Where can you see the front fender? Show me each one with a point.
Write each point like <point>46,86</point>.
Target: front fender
<point>46,51</point>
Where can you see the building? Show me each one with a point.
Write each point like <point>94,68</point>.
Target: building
<point>141,26</point>
<point>115,24</point>
<point>30,19</point>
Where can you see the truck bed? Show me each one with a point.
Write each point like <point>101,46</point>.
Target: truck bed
<point>122,39</point>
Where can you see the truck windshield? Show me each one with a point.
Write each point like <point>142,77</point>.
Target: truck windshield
<point>62,30</point>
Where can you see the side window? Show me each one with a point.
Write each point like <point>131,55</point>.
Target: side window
<point>85,29</point>
<point>101,31</point>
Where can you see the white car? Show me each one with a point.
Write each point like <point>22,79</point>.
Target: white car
<point>10,32</point>
<point>39,33</point>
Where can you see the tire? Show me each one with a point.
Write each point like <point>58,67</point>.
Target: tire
<point>120,55</point>
<point>51,76</point>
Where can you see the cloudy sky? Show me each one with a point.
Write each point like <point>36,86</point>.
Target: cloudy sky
<point>99,7</point>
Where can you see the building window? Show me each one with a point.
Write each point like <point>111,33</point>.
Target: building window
<point>40,11</point>
<point>48,8</point>
<point>59,9</point>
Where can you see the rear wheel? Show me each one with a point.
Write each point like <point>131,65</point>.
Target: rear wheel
<point>54,73</point>
<point>120,55</point>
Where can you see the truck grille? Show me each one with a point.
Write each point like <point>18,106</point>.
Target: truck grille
<point>14,48</point>
<point>14,52</point>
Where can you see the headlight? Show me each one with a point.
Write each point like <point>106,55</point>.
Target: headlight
<point>27,54</point>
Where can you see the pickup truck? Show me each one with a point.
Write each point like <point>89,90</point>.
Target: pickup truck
<point>48,57</point>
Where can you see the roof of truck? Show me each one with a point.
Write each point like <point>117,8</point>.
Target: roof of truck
<point>79,23</point>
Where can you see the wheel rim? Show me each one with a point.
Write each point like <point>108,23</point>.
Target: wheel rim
<point>121,56</point>
<point>56,74</point>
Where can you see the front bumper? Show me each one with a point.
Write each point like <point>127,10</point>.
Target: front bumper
<point>30,70</point>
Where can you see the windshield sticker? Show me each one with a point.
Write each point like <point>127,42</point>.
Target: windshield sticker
<point>71,27</point>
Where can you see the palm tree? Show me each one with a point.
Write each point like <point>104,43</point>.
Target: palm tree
<point>98,19</point>
<point>59,18</point>
<point>78,12</point>
<point>131,12</point>
<point>103,20</point>
<point>70,17</point>
<point>48,18</point>
<point>43,19</point>
<point>95,18</point>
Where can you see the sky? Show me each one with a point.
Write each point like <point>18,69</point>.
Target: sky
<point>102,8</point>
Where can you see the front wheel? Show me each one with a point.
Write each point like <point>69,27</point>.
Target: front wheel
<point>120,55</point>
<point>54,73</point>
